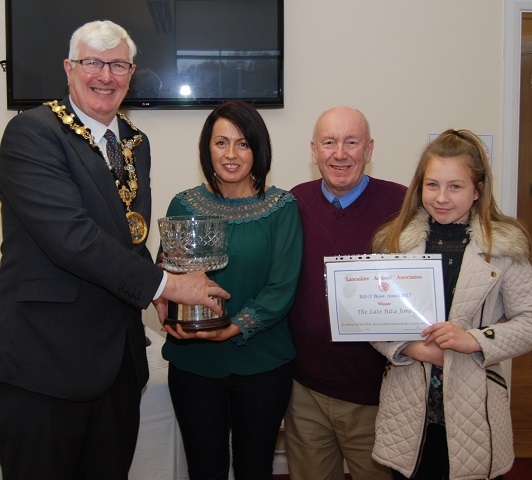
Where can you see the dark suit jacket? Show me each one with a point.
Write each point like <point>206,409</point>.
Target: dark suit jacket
<point>72,285</point>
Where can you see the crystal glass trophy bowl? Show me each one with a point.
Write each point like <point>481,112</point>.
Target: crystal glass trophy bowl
<point>194,244</point>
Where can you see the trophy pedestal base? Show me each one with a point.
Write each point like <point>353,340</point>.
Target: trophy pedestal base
<point>196,318</point>
<point>191,326</point>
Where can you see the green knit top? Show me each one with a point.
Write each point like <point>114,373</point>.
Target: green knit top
<point>265,243</point>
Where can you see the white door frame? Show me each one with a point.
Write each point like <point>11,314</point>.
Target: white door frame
<point>513,10</point>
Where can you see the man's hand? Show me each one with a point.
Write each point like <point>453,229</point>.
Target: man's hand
<point>161,306</point>
<point>193,288</point>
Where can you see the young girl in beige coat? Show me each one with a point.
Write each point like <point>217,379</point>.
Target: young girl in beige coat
<point>444,409</point>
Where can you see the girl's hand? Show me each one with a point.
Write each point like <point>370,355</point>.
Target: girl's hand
<point>424,353</point>
<point>447,335</point>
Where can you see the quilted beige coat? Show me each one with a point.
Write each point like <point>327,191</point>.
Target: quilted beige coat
<point>476,402</point>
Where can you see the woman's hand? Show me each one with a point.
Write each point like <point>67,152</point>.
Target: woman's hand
<point>213,335</point>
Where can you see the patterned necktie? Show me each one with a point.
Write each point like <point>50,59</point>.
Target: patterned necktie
<point>114,154</point>
<point>337,204</point>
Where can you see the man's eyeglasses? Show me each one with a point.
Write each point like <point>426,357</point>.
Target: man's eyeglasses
<point>90,65</point>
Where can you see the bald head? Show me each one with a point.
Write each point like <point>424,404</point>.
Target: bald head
<point>342,115</point>
<point>341,148</point>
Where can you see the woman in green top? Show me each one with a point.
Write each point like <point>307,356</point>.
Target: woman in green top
<point>238,379</point>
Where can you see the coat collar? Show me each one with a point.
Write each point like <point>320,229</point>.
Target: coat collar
<point>507,239</point>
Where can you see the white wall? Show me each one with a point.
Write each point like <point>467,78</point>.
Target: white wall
<point>414,67</point>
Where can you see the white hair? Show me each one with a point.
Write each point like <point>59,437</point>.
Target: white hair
<point>100,36</point>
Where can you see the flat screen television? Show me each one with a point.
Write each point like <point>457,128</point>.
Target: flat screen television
<point>192,53</point>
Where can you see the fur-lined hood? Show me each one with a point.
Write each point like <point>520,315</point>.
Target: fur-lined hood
<point>508,240</point>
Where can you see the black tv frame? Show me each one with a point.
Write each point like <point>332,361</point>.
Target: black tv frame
<point>67,22</point>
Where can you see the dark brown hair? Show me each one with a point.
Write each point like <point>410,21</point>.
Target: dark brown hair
<point>248,120</point>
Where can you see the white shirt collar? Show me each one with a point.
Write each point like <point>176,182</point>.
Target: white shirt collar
<point>97,129</point>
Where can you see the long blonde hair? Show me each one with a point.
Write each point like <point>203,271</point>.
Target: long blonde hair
<point>451,143</point>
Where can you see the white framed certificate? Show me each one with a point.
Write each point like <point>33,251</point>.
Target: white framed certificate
<point>383,297</point>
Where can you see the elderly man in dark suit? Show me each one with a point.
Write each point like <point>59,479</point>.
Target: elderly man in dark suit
<point>75,273</point>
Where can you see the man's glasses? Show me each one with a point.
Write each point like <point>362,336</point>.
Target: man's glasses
<point>90,65</point>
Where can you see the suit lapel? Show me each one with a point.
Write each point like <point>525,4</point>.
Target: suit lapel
<point>97,168</point>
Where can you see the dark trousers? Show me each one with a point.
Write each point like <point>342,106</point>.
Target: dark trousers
<point>434,463</point>
<point>250,407</point>
<point>48,438</point>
